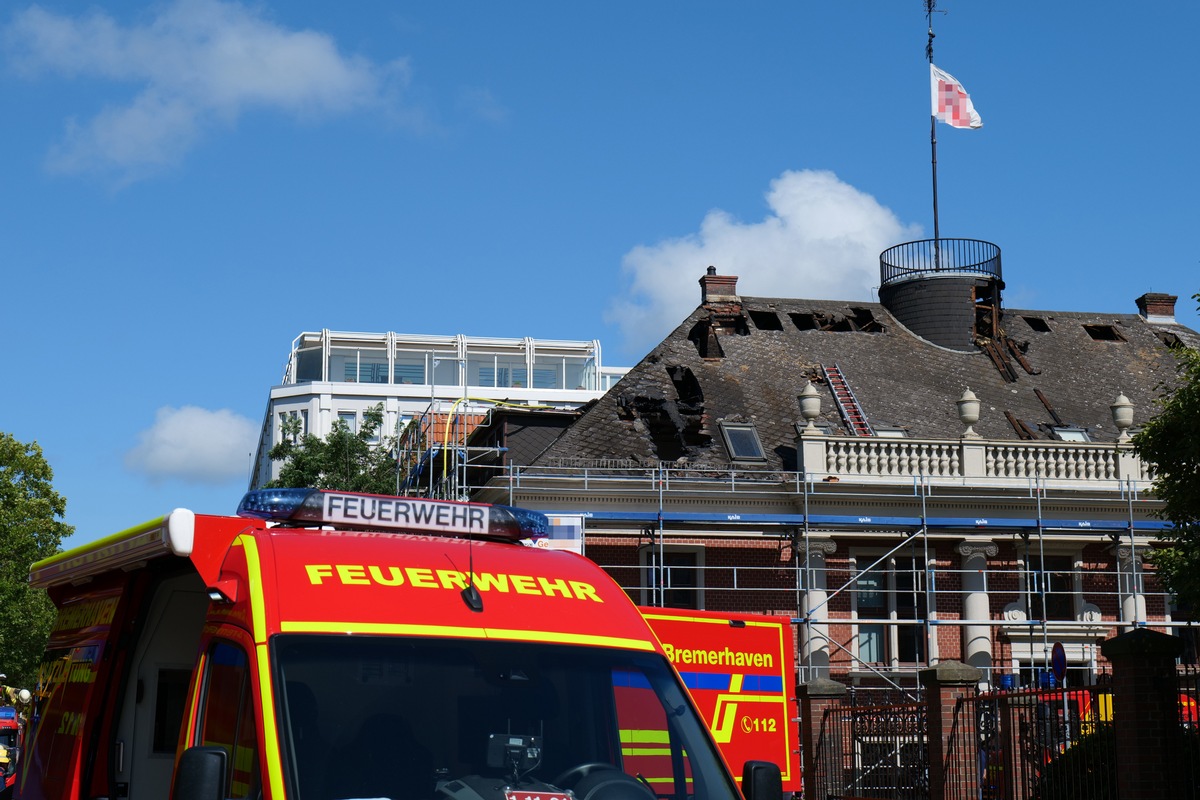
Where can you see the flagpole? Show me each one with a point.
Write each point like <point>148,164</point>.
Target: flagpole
<point>929,6</point>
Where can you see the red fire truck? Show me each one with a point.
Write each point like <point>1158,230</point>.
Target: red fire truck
<point>323,646</point>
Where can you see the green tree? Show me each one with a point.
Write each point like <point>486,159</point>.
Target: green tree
<point>30,530</point>
<point>1171,442</point>
<point>351,461</point>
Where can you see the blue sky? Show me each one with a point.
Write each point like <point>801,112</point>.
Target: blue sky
<point>189,185</point>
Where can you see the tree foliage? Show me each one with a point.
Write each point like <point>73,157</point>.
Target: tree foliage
<point>350,461</point>
<point>1171,442</point>
<point>31,529</point>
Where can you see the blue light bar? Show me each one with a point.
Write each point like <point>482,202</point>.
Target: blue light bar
<point>8,712</point>
<point>317,507</point>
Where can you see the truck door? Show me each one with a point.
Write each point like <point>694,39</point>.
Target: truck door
<point>154,691</point>
<point>226,714</point>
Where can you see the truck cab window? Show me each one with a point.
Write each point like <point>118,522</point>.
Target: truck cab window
<point>428,719</point>
<point>227,715</point>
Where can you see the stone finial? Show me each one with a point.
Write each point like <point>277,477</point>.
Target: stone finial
<point>810,407</point>
<point>1122,414</point>
<point>968,413</point>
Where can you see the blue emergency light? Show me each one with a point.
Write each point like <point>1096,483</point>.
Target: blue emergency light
<point>8,712</point>
<point>321,507</point>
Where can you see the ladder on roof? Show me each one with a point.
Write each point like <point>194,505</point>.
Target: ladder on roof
<point>852,412</point>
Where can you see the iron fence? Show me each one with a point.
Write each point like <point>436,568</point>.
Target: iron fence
<point>1187,752</point>
<point>878,751</point>
<point>1049,744</point>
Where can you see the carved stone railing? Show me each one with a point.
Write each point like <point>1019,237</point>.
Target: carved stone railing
<point>968,460</point>
<point>897,458</point>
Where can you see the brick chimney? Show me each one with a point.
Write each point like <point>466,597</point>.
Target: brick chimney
<point>716,288</point>
<point>1156,307</point>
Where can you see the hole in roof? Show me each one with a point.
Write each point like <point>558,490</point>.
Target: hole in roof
<point>1171,340</point>
<point>805,322</point>
<point>766,320</point>
<point>1104,333</point>
<point>865,320</point>
<point>691,396</point>
<point>1038,324</point>
<point>704,337</point>
<point>665,435</point>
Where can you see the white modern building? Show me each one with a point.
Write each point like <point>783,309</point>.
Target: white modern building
<point>332,375</point>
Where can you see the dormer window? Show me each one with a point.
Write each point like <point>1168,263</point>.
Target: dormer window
<point>742,442</point>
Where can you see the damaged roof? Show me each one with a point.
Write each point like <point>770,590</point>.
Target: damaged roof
<point>741,363</point>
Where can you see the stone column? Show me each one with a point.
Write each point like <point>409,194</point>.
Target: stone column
<point>1133,602</point>
<point>1146,714</point>
<point>977,639</point>
<point>953,737</point>
<point>815,698</point>
<point>814,636</point>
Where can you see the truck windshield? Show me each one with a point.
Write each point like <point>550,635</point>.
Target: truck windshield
<point>449,719</point>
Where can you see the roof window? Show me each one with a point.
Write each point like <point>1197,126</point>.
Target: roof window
<point>889,431</point>
<point>823,427</point>
<point>1104,333</point>
<point>1071,434</point>
<point>741,440</point>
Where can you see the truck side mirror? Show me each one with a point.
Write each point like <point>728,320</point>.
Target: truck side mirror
<point>201,774</point>
<point>761,780</point>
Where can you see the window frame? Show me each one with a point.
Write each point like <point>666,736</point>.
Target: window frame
<point>886,565</point>
<point>647,566</point>
<point>1072,593</point>
<point>734,449</point>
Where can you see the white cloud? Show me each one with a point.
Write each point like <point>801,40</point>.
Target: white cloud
<point>820,240</point>
<point>195,445</point>
<point>197,65</point>
<point>483,104</point>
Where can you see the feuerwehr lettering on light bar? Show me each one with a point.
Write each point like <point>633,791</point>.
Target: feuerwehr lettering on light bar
<point>406,512</point>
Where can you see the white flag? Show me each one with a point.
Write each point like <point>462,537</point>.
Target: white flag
<point>951,103</point>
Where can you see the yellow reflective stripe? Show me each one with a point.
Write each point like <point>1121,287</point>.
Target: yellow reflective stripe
<point>644,735</point>
<point>395,629</point>
<point>663,780</point>
<point>645,751</point>
<point>190,733</point>
<point>254,570</point>
<point>270,737</point>
<point>735,682</point>
<point>571,638</point>
<point>381,627</point>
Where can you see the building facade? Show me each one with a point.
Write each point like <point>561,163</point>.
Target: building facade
<point>331,376</point>
<point>929,477</point>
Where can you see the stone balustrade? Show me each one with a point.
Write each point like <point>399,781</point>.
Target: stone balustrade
<point>971,461</point>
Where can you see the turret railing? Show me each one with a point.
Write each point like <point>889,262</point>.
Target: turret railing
<point>929,257</point>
